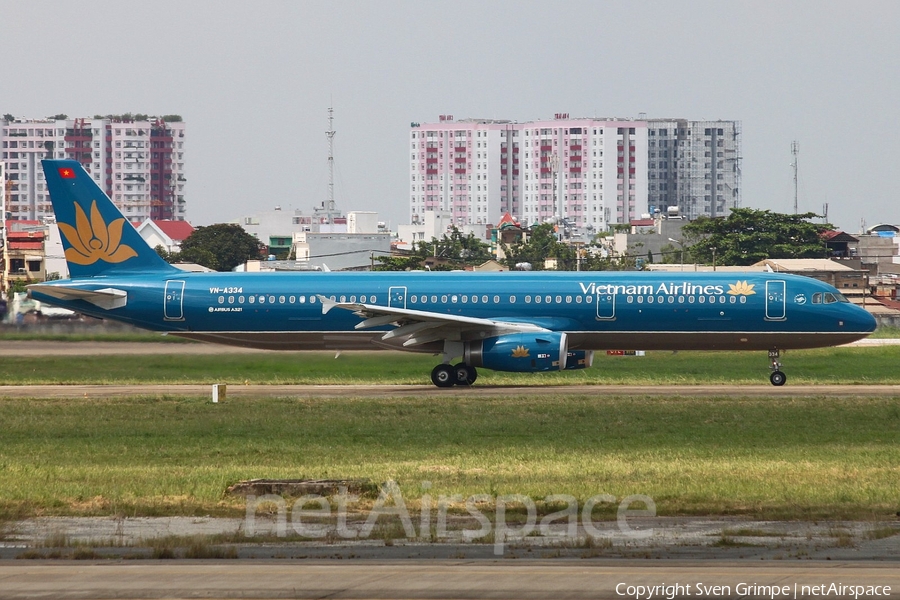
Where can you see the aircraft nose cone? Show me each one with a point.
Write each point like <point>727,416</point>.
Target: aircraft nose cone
<point>862,321</point>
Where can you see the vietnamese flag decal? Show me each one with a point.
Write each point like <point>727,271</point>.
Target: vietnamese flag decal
<point>67,173</point>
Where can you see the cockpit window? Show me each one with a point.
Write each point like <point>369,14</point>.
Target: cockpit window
<point>841,298</point>
<point>829,298</point>
<point>817,298</point>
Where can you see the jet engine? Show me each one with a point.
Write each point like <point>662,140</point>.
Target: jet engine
<point>579,359</point>
<point>525,353</point>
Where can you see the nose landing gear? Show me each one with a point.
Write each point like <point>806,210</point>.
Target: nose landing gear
<point>777,377</point>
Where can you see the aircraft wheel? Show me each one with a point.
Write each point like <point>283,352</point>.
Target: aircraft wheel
<point>777,378</point>
<point>465,375</point>
<point>443,376</point>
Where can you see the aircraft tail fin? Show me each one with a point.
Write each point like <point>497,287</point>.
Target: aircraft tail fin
<point>97,238</point>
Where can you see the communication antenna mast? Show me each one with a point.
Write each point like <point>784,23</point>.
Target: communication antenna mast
<point>330,135</point>
<point>795,151</point>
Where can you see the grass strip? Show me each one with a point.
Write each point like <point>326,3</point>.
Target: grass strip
<point>788,458</point>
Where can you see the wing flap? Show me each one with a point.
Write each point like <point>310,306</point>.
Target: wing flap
<point>422,326</point>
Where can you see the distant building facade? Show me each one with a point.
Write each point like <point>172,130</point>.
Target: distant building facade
<point>138,163</point>
<point>586,172</point>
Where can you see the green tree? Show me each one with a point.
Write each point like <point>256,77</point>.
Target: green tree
<point>457,249</point>
<point>748,236</point>
<point>220,247</point>
<point>541,245</point>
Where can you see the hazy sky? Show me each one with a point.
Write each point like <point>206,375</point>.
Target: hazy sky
<point>254,80</point>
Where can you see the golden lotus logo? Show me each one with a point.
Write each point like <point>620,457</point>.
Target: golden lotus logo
<point>94,240</point>
<point>741,288</point>
<point>520,352</point>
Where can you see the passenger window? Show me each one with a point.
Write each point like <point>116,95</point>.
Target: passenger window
<point>302,299</point>
<point>230,299</point>
<point>474,299</point>
<point>568,299</point>
<point>352,298</point>
<point>291,299</point>
<point>512,299</point>
<point>548,299</point>
<point>271,299</point>
<point>434,299</point>
<point>412,299</point>
<point>312,299</point>
<point>559,299</point>
<point>465,299</point>
<point>454,298</point>
<point>221,299</point>
<point>577,299</point>
<point>444,299</point>
<point>240,299</point>
<point>496,299</point>
<point>484,299</point>
<point>527,299</point>
<point>537,299</point>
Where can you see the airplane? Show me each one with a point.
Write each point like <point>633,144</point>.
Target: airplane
<point>520,322</point>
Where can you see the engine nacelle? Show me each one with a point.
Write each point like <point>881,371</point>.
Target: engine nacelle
<point>522,353</point>
<point>579,359</point>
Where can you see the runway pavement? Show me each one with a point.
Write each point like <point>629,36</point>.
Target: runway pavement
<point>522,579</point>
<point>419,391</point>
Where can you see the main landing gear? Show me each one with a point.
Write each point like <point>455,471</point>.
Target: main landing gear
<point>777,377</point>
<point>445,375</point>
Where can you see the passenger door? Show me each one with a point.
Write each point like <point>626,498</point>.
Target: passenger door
<point>775,303</point>
<point>173,307</point>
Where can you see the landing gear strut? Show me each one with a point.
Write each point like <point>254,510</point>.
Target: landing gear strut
<point>777,377</point>
<point>445,375</point>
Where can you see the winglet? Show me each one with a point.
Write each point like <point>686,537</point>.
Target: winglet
<point>97,238</point>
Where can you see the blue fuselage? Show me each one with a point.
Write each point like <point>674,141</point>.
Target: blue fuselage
<point>597,310</point>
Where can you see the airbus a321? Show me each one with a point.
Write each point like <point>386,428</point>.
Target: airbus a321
<point>520,322</point>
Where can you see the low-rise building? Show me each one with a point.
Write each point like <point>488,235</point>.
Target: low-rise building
<point>168,234</point>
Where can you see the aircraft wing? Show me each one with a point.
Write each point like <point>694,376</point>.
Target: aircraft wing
<point>107,298</point>
<point>423,327</point>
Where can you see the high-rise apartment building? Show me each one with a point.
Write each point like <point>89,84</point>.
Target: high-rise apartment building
<point>694,165</point>
<point>138,163</point>
<point>586,173</point>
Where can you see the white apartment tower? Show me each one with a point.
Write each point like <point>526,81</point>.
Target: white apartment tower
<point>584,172</point>
<point>138,163</point>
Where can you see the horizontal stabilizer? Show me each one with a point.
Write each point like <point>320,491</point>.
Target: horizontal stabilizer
<point>106,298</point>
